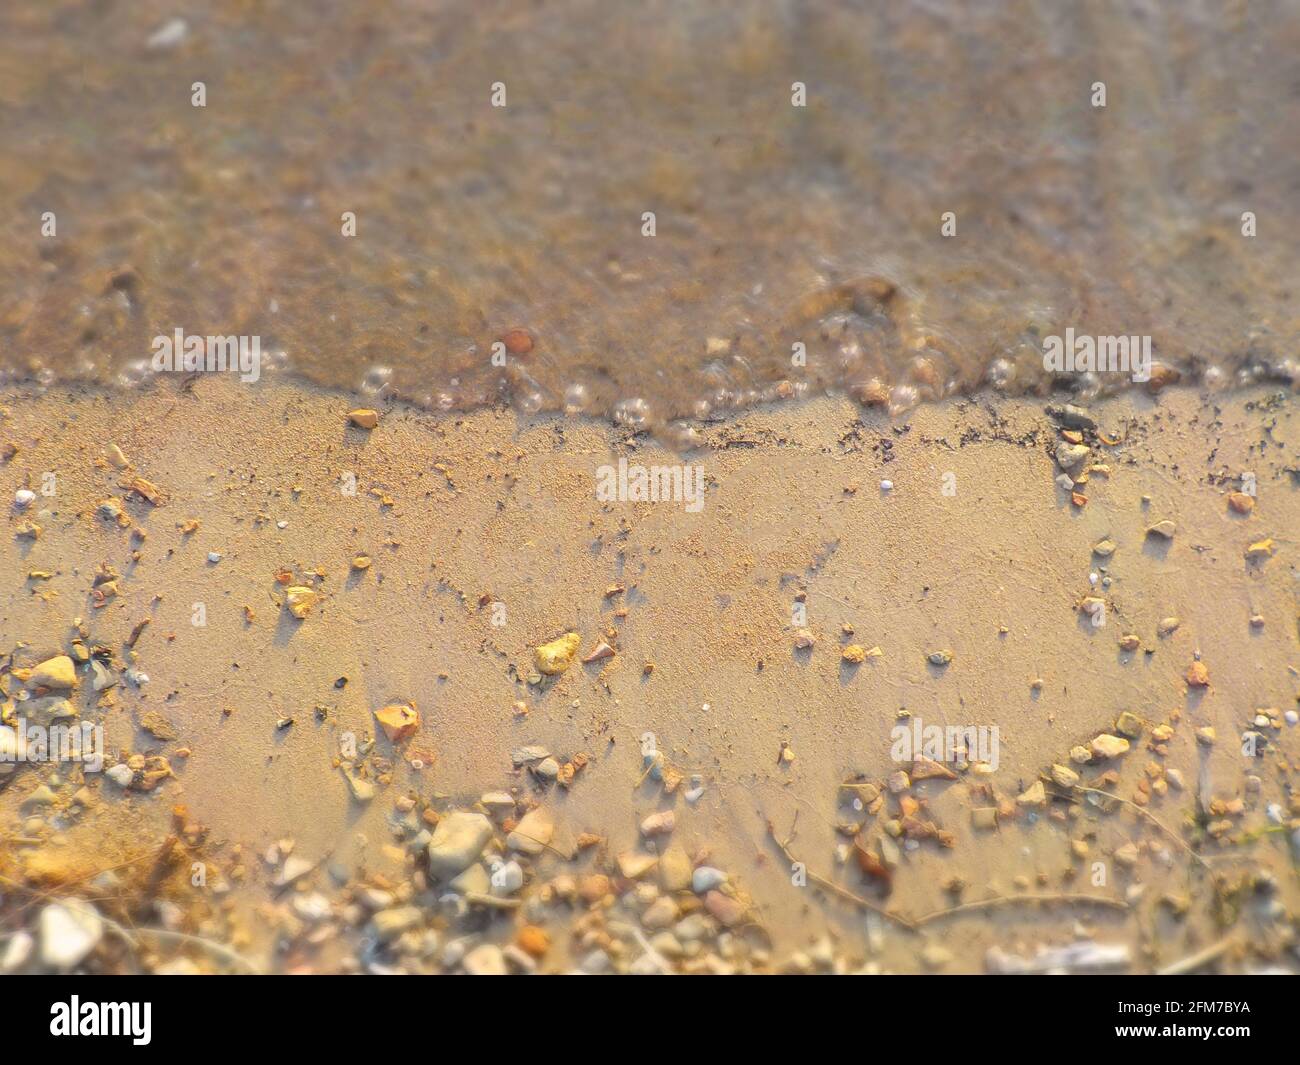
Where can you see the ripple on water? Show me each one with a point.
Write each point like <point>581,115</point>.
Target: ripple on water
<point>797,251</point>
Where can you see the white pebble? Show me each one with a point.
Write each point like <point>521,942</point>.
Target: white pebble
<point>16,952</point>
<point>706,878</point>
<point>70,930</point>
<point>214,556</point>
<point>1291,717</point>
<point>24,498</point>
<point>168,35</point>
<point>886,486</point>
<point>507,878</point>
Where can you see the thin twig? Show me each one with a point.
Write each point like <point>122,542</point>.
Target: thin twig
<point>59,889</point>
<point>1013,900</point>
<point>1153,819</point>
<point>166,935</point>
<point>913,925</point>
<point>496,902</point>
<point>1202,957</point>
<point>834,888</point>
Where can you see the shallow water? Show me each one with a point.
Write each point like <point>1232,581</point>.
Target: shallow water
<point>775,225</point>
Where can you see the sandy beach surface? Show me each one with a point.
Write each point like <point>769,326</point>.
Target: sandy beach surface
<point>252,812</point>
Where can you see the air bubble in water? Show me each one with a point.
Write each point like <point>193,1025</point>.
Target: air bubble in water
<point>576,399</point>
<point>634,412</point>
<point>376,379</point>
<point>1000,374</point>
<point>902,398</point>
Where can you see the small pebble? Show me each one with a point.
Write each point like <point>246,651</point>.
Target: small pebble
<point>168,35</point>
<point>706,878</point>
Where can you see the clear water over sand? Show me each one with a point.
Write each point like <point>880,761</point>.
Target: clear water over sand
<point>775,224</point>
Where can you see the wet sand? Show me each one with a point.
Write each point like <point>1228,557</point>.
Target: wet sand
<point>461,512</point>
<point>775,224</point>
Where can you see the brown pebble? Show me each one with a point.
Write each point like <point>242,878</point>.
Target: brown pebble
<point>593,887</point>
<point>1161,377</point>
<point>398,720</point>
<point>533,940</point>
<point>517,341</point>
